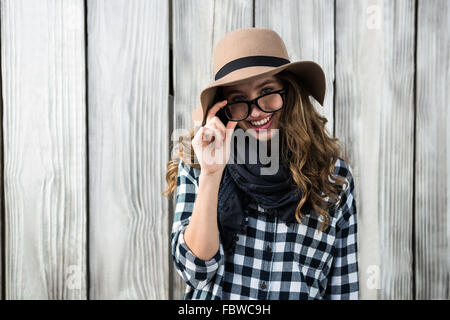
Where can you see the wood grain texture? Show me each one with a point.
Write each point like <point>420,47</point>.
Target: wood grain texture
<point>128,60</point>
<point>432,214</point>
<point>197,27</point>
<point>374,119</point>
<point>44,136</point>
<point>367,52</point>
<point>307,29</point>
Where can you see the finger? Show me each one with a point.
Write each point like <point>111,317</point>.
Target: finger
<point>217,123</point>
<point>213,110</point>
<point>207,134</point>
<point>231,125</point>
<point>218,138</point>
<point>220,126</point>
<point>208,154</point>
<point>198,136</point>
<point>210,132</point>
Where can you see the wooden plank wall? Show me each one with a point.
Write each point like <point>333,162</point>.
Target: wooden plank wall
<point>128,62</point>
<point>432,225</point>
<point>88,105</point>
<point>375,117</point>
<point>44,145</point>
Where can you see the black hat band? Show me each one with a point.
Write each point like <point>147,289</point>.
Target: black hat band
<point>250,61</point>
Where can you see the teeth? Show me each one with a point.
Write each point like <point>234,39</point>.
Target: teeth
<point>261,122</point>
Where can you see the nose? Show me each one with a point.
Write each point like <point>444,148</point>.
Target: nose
<point>255,112</point>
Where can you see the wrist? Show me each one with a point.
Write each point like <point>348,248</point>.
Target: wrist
<point>210,176</point>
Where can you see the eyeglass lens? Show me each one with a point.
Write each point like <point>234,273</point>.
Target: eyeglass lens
<point>268,103</point>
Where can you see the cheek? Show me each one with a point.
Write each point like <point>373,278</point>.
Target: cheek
<point>276,120</point>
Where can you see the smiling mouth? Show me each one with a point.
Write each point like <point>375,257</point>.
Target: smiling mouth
<point>261,122</point>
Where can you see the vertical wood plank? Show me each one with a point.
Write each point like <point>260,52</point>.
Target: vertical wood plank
<point>44,126</point>
<point>128,60</point>
<point>374,118</point>
<point>307,29</point>
<point>198,26</point>
<point>432,232</point>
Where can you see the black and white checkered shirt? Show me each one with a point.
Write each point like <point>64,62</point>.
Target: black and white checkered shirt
<point>272,260</point>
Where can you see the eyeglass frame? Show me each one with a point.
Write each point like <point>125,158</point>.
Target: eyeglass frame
<point>249,103</point>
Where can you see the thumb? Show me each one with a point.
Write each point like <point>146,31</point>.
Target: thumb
<point>231,125</point>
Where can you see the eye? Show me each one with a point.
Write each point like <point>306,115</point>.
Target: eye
<point>237,98</point>
<point>266,90</point>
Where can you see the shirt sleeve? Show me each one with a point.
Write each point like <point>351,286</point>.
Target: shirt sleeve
<point>195,271</point>
<point>343,281</point>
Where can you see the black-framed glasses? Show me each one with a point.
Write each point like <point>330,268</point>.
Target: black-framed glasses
<point>269,102</point>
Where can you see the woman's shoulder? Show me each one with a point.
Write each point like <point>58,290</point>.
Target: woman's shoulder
<point>347,204</point>
<point>343,169</point>
<point>187,171</point>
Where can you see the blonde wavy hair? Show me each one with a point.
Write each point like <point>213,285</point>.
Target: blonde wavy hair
<point>306,146</point>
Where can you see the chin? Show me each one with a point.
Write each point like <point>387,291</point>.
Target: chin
<point>261,135</point>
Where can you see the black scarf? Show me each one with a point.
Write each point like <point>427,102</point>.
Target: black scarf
<point>242,181</point>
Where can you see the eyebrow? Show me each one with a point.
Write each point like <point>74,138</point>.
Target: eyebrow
<point>259,86</point>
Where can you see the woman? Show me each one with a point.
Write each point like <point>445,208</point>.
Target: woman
<point>241,234</point>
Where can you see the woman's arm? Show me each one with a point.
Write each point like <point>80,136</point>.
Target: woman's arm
<point>343,281</point>
<point>195,238</point>
<point>196,272</point>
<point>211,145</point>
<point>202,233</point>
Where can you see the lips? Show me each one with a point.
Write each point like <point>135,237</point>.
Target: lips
<point>261,121</point>
<point>261,124</point>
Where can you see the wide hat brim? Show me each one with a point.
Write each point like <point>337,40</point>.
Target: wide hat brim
<point>309,74</point>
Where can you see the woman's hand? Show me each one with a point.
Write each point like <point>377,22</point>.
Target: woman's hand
<point>211,143</point>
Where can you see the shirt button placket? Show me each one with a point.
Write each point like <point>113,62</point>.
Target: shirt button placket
<point>267,259</point>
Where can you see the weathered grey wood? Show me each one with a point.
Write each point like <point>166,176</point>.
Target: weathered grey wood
<point>44,135</point>
<point>432,214</point>
<point>307,28</point>
<point>44,123</point>
<point>197,26</point>
<point>128,60</point>
<point>374,119</point>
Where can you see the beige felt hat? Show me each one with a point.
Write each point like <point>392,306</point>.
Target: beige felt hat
<point>248,53</point>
